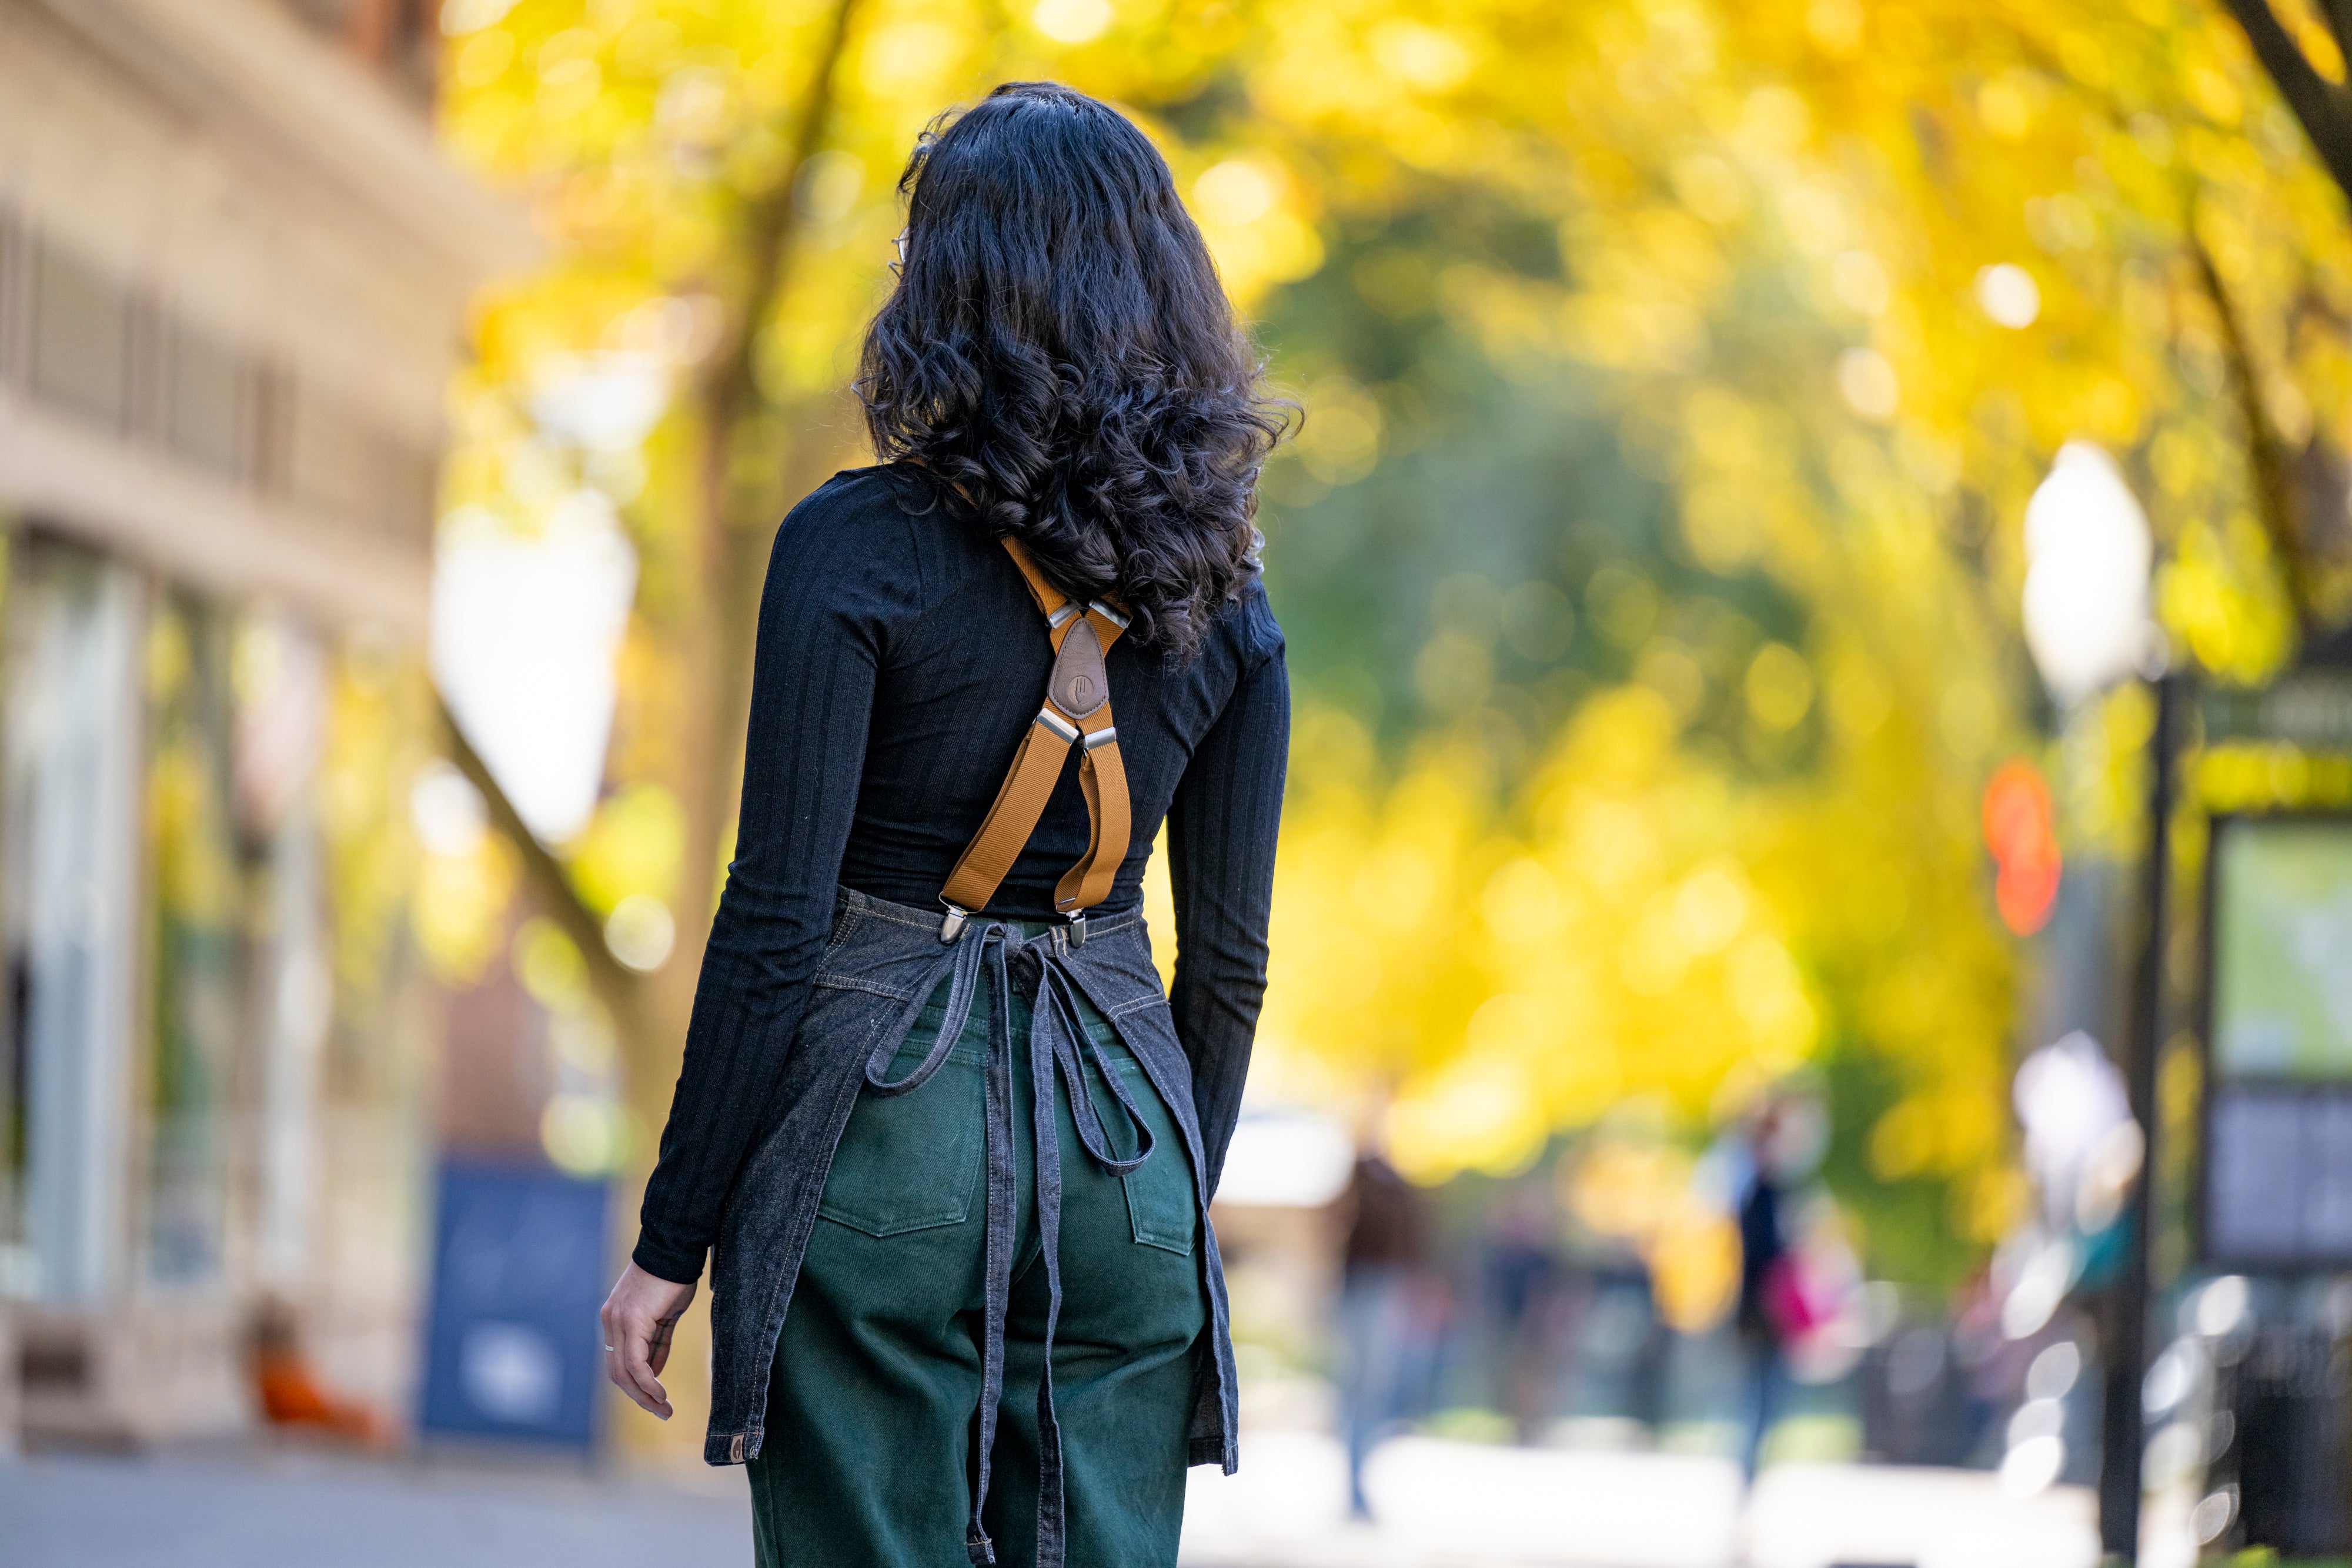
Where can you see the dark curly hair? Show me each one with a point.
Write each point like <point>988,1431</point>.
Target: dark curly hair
<point>1059,350</point>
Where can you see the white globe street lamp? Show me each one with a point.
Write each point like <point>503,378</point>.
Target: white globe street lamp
<point>2086,582</point>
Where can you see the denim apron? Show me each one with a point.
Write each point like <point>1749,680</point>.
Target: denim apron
<point>882,963</point>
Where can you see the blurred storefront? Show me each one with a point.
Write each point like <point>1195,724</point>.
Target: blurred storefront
<point>232,273</point>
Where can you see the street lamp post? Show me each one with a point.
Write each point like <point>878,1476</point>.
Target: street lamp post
<point>2123,1437</point>
<point>2087,626</point>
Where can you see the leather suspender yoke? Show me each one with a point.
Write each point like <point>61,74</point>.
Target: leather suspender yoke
<point>1076,712</point>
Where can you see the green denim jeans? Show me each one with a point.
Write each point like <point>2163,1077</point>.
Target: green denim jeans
<point>872,1423</point>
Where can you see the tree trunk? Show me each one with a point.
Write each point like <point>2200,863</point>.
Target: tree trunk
<point>714,640</point>
<point>2266,463</point>
<point>2323,107</point>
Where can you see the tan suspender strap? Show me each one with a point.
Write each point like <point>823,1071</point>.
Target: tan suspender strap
<point>1078,704</point>
<point>1049,597</point>
<point>1103,776</point>
<point>1004,832</point>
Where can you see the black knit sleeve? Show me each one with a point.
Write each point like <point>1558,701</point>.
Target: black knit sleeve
<point>835,585</point>
<point>1222,828</point>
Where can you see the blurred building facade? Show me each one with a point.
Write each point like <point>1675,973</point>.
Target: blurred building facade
<point>233,269</point>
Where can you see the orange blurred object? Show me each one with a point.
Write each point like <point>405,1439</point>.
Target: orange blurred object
<point>2020,829</point>
<point>291,1394</point>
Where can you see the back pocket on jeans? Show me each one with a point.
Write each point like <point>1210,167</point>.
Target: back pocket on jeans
<point>1160,1202</point>
<point>909,1162</point>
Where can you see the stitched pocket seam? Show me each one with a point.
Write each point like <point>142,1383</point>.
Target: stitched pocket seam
<point>933,1221</point>
<point>1145,1233</point>
<point>852,983</point>
<point>961,1181</point>
<point>1169,1147</point>
<point>843,929</point>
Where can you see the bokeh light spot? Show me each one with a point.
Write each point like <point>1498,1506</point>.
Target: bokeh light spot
<point>1867,383</point>
<point>1235,192</point>
<point>640,932</point>
<point>2008,294</point>
<point>1072,21</point>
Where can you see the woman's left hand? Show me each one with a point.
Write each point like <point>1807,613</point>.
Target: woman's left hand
<point>639,1317</point>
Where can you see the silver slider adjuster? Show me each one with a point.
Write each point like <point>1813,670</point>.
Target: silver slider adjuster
<point>1064,614</point>
<point>1103,737</point>
<point>1061,727</point>
<point>1107,613</point>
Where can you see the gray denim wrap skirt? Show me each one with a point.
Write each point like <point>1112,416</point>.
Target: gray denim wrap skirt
<point>883,961</point>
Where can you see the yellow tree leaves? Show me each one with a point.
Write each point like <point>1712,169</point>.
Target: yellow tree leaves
<point>1842,277</point>
<point>1506,977</point>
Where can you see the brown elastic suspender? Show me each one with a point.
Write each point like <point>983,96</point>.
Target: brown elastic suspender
<point>1077,706</point>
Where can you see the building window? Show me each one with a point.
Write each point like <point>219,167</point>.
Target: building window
<point>208,398</point>
<point>339,464</point>
<point>69,893</point>
<point>398,40</point>
<point>15,297</point>
<point>81,338</point>
<point>196,988</point>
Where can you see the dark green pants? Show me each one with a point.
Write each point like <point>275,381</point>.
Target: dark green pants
<point>868,1461</point>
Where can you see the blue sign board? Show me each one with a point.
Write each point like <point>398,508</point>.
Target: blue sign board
<point>512,1348</point>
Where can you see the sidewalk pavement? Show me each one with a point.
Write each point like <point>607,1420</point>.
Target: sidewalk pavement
<point>278,1510</point>
<point>1459,1505</point>
<point>1441,1504</point>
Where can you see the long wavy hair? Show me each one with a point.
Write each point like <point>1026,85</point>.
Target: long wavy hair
<point>1059,350</point>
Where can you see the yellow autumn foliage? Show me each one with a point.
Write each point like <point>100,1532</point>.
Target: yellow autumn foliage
<point>1842,276</point>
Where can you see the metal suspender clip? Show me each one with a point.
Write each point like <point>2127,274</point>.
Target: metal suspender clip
<point>952,926</point>
<point>1078,927</point>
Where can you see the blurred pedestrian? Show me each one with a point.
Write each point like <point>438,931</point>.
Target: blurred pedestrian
<point>953,1149</point>
<point>1525,1291</point>
<point>1780,1304</point>
<point>1386,1308</point>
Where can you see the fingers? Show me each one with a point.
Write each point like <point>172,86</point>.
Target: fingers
<point>636,1345</point>
<point>639,1318</point>
<point>637,1335</point>
<point>611,1348</point>
<point>628,1339</point>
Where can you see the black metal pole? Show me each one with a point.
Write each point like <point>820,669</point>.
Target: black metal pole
<point>2124,1342</point>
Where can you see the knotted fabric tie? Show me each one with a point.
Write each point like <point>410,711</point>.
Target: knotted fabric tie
<point>1058,1045</point>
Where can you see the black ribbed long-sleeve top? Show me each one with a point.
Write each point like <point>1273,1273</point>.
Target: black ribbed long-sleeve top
<point>900,661</point>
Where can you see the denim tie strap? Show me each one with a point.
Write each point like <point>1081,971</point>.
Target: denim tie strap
<point>1060,1046</point>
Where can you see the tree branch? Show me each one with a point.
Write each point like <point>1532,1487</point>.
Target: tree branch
<point>714,640</point>
<point>2324,107</point>
<point>615,985</point>
<point>2338,14</point>
<point>770,225</point>
<point>727,392</point>
<point>2273,498</point>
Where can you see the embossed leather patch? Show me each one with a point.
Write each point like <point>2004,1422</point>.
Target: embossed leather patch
<point>1080,684</point>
